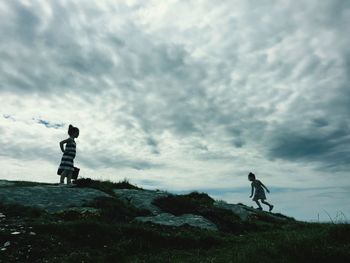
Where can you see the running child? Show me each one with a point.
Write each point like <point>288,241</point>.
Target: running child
<point>258,186</point>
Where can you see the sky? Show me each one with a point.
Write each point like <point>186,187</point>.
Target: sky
<point>183,95</point>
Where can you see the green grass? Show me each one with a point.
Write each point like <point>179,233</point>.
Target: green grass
<point>93,240</point>
<point>105,186</point>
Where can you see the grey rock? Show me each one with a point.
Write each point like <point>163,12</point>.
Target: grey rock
<point>50,198</point>
<point>8,243</point>
<point>82,210</point>
<point>239,210</point>
<point>141,199</point>
<point>187,219</point>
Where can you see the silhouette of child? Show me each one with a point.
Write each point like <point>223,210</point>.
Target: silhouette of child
<point>259,192</point>
<point>67,161</point>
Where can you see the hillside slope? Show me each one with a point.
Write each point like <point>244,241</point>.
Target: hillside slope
<point>117,222</point>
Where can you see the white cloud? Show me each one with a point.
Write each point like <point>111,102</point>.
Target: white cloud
<point>178,94</point>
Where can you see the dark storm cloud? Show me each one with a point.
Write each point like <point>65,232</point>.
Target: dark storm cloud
<point>308,146</point>
<point>329,148</point>
<point>317,128</point>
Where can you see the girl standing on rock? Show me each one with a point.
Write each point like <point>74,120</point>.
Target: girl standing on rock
<point>259,192</point>
<point>66,167</point>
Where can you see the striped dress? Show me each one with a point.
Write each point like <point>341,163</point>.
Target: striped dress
<point>67,161</point>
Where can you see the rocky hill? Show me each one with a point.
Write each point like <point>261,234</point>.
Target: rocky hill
<point>120,214</point>
<point>159,207</point>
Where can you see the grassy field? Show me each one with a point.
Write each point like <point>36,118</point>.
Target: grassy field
<point>113,236</point>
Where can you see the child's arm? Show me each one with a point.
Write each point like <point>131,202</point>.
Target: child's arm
<point>267,190</point>
<point>62,143</point>
<point>252,191</point>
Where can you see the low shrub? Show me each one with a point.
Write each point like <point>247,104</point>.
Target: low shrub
<point>13,210</point>
<point>113,209</point>
<point>201,198</point>
<point>184,204</point>
<point>202,204</point>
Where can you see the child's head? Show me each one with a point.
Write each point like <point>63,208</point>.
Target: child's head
<point>251,177</point>
<point>73,131</point>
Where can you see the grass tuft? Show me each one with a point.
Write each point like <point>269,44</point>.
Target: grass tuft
<point>105,186</point>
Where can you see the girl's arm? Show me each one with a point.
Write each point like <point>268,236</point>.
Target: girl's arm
<point>252,191</point>
<point>62,143</point>
<point>267,190</point>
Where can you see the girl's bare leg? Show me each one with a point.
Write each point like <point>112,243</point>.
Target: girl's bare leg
<point>69,177</point>
<point>68,174</point>
<point>257,202</point>
<point>63,175</point>
<point>266,203</point>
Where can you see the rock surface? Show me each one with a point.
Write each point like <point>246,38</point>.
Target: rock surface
<point>242,211</point>
<point>171,220</point>
<point>143,200</point>
<point>50,198</point>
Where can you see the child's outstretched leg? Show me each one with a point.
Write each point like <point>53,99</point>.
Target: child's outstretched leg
<point>266,203</point>
<point>259,206</point>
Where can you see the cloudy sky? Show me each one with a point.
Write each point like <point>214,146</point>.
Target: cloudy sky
<point>183,95</point>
